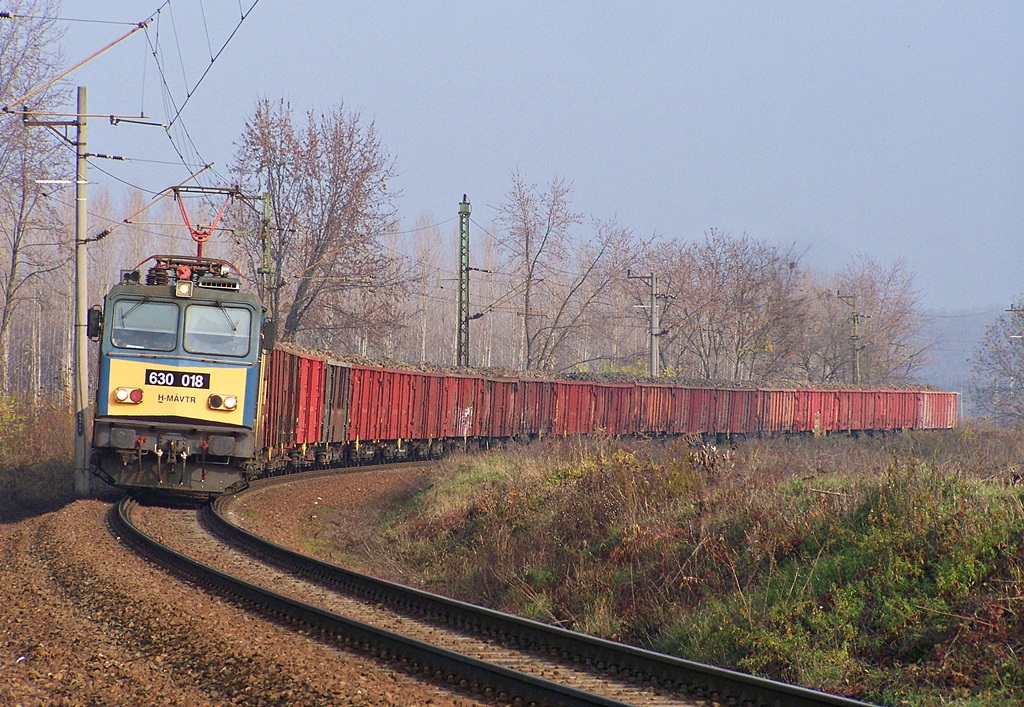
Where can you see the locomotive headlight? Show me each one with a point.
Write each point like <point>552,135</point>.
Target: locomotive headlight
<point>222,402</point>
<point>183,288</point>
<point>128,395</point>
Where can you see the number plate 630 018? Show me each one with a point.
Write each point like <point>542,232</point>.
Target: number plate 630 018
<point>177,379</point>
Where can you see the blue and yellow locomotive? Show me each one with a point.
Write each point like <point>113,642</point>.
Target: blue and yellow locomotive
<point>179,379</point>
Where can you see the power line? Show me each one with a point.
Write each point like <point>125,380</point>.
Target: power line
<point>212,59</point>
<point>962,316</point>
<point>11,16</point>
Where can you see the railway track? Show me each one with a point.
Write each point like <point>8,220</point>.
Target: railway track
<point>478,650</point>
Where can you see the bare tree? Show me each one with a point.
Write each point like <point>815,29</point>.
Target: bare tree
<point>997,369</point>
<point>735,305</point>
<point>331,204</point>
<point>426,253</point>
<point>576,335</point>
<point>538,229</point>
<point>28,243</point>
<point>889,319</point>
<point>822,346</point>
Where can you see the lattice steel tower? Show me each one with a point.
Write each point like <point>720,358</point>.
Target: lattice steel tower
<point>463,318</point>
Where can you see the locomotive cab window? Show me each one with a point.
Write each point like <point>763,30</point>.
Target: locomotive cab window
<point>138,324</point>
<point>218,330</point>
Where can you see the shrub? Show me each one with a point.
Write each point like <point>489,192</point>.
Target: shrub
<point>35,457</point>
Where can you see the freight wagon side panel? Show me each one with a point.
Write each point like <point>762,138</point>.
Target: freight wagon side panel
<point>527,405</point>
<point>720,421</point>
<point>742,411</point>
<point>665,409</point>
<point>604,408</point>
<point>408,414</point>
<point>453,407</point>
<point>277,405</point>
<point>950,410</point>
<point>433,404</point>
<point>880,420</point>
<point>859,410</point>
<point>648,409</point>
<point>357,384</point>
<point>939,410</point>
<point>582,408</point>
<point>679,402</point>
<point>844,411</point>
<point>778,415</point>
<point>618,406</point>
<point>337,398</point>
<point>803,421</point>
<point>540,408</point>
<point>468,397</point>
<point>378,400</point>
<point>391,411</point>
<point>310,400</point>
<point>504,407</point>
<point>580,400</point>
<point>558,405</point>
<point>365,395</point>
<point>831,411</point>
<point>423,423</point>
<point>700,410</point>
<point>413,413</point>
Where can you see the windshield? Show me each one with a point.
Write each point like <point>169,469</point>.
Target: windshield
<point>214,329</point>
<point>145,325</point>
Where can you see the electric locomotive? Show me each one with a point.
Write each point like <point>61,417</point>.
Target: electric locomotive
<point>179,379</point>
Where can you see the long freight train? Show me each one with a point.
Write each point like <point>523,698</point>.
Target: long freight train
<point>195,398</point>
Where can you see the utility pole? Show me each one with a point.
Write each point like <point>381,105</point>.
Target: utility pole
<point>80,363</point>
<point>266,270</point>
<point>855,318</point>
<point>82,417</point>
<point>462,346</point>
<point>655,321</point>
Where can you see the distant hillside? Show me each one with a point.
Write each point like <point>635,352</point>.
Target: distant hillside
<point>954,335</point>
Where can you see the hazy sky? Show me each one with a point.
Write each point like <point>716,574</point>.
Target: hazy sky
<point>895,129</point>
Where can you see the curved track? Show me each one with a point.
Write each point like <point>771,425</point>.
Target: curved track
<point>510,655</point>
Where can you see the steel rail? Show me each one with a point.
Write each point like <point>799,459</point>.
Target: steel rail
<point>635,664</point>
<point>439,663</point>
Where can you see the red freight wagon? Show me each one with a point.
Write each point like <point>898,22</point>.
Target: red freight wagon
<point>815,410</point>
<point>743,411</point>
<point>936,410</point>
<point>293,399</point>
<point>376,398</point>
